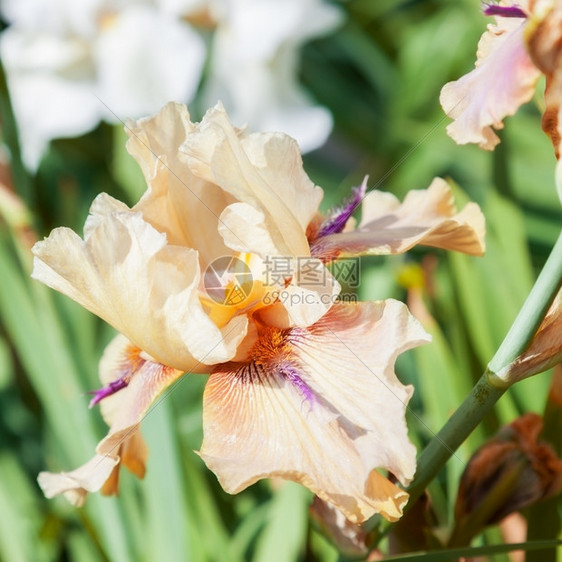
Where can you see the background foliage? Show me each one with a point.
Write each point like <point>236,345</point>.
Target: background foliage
<point>380,74</point>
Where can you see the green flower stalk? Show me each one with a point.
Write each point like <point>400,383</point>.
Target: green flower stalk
<point>491,386</point>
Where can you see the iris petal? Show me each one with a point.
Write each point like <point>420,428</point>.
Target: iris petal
<point>123,411</point>
<point>331,424</point>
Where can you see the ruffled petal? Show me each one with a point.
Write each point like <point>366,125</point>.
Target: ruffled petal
<point>75,485</point>
<point>504,79</point>
<point>184,206</point>
<point>427,217</point>
<point>262,170</point>
<point>124,410</point>
<point>321,406</point>
<point>126,273</point>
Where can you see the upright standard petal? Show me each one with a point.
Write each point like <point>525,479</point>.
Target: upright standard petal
<point>124,411</point>
<point>126,273</point>
<point>504,79</point>
<point>427,217</point>
<point>184,206</point>
<point>321,406</point>
<point>263,170</point>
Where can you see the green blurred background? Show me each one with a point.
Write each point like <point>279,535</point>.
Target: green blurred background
<point>380,75</point>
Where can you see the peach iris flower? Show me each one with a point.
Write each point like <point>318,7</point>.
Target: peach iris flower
<point>512,54</point>
<point>504,78</point>
<point>301,386</point>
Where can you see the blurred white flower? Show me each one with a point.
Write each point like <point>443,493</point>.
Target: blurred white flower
<point>71,64</point>
<point>254,65</point>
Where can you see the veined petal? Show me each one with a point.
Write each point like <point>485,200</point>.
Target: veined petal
<point>504,79</point>
<point>552,117</point>
<point>184,206</point>
<point>324,396</point>
<point>427,217</point>
<point>263,170</point>
<point>124,411</point>
<point>126,273</point>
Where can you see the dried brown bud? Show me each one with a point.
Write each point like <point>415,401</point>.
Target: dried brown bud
<point>511,471</point>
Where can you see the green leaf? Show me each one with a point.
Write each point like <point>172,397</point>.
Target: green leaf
<point>21,516</point>
<point>284,535</point>
<point>167,516</point>
<point>31,320</point>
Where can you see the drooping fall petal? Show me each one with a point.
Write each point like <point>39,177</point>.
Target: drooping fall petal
<point>125,272</point>
<point>504,79</point>
<point>321,406</point>
<point>427,217</point>
<point>123,411</point>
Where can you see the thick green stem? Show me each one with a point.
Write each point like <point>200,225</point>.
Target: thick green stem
<point>467,416</point>
<point>489,388</point>
<point>532,312</point>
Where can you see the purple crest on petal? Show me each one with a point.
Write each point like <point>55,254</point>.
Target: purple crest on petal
<point>291,374</point>
<point>504,11</point>
<point>337,219</point>
<point>106,391</point>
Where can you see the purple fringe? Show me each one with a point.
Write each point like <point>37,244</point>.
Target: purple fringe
<point>504,11</point>
<point>335,223</point>
<point>106,391</point>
